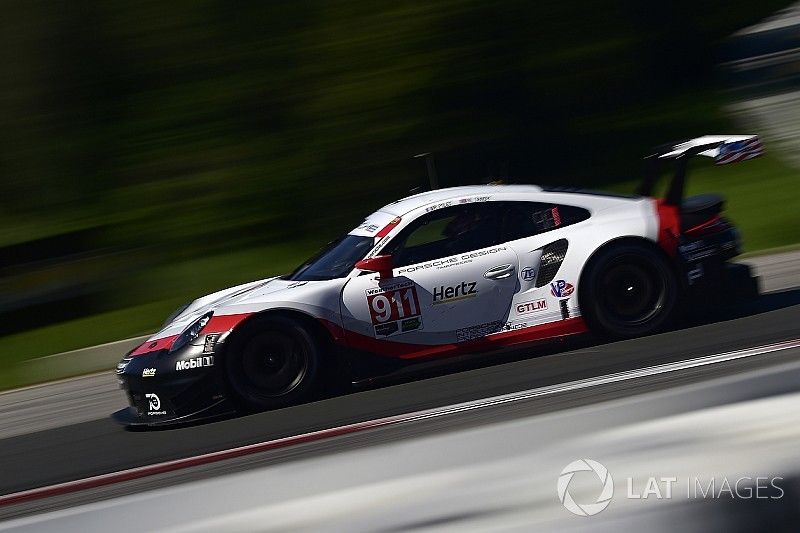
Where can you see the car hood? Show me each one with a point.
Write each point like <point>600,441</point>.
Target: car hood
<point>217,302</point>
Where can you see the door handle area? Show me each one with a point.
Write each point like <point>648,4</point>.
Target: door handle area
<point>499,272</point>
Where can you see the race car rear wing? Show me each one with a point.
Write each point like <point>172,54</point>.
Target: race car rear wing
<point>724,149</point>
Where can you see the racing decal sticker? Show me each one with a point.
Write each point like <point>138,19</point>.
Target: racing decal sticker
<point>732,152</point>
<point>210,342</point>
<point>527,274</point>
<point>547,218</point>
<point>481,253</point>
<point>154,404</point>
<point>410,324</point>
<point>394,309</point>
<point>561,289</point>
<point>373,225</point>
<point>439,263</point>
<point>368,227</point>
<point>440,205</point>
<point>695,274</point>
<point>474,199</point>
<point>446,294</point>
<point>197,362</point>
<point>148,372</point>
<point>556,216</point>
<point>697,250</point>
<point>524,308</point>
<point>456,260</point>
<point>477,331</point>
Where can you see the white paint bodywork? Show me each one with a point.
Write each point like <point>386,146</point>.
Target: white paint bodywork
<point>508,303</point>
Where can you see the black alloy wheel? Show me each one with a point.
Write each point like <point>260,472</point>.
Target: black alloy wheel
<point>628,290</point>
<point>273,362</point>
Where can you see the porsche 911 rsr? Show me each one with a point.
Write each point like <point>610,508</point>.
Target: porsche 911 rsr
<point>452,271</point>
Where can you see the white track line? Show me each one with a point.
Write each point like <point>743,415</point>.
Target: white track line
<point>436,412</point>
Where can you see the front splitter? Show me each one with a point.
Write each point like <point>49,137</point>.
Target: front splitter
<point>130,418</point>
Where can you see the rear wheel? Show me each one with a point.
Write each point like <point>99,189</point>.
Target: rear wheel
<point>628,290</point>
<point>273,362</point>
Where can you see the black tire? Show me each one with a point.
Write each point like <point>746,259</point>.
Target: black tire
<point>272,362</point>
<point>628,290</point>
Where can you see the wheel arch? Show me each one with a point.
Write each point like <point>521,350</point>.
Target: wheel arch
<point>620,241</point>
<point>321,340</point>
<point>312,324</point>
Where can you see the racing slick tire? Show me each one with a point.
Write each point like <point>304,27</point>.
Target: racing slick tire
<point>628,290</point>
<point>272,362</point>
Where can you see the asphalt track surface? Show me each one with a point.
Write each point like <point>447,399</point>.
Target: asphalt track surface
<point>96,446</point>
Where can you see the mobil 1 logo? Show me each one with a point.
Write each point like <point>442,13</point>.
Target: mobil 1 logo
<point>197,362</point>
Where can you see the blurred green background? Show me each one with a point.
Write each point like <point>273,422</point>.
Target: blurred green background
<point>154,151</point>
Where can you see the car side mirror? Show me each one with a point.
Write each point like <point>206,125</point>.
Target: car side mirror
<point>382,264</point>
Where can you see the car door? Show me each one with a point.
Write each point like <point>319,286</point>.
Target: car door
<point>453,281</point>
<point>547,292</point>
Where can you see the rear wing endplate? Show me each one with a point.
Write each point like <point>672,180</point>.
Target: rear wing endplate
<point>724,149</point>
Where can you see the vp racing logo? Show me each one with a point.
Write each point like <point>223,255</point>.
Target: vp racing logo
<point>604,478</point>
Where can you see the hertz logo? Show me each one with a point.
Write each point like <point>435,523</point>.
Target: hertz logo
<point>442,294</point>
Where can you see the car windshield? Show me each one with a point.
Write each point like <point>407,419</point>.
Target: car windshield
<point>335,260</point>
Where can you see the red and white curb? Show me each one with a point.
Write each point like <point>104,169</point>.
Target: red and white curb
<point>415,416</point>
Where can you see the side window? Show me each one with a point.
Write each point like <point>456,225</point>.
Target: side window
<point>525,219</point>
<point>449,231</point>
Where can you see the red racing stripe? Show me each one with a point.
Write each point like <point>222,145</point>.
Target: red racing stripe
<point>152,346</point>
<point>388,227</point>
<point>224,323</point>
<point>403,350</point>
<point>217,324</point>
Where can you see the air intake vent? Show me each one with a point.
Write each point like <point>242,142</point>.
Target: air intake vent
<point>552,256</point>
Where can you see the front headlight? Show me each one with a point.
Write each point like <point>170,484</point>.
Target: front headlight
<point>191,333</point>
<point>122,364</point>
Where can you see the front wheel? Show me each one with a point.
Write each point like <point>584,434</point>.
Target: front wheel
<point>272,362</point>
<point>628,290</point>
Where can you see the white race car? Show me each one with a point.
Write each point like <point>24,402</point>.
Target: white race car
<point>451,271</point>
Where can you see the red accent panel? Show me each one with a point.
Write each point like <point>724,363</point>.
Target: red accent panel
<point>217,324</point>
<point>152,346</point>
<point>404,350</point>
<point>224,323</point>
<point>388,227</point>
<point>669,227</point>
